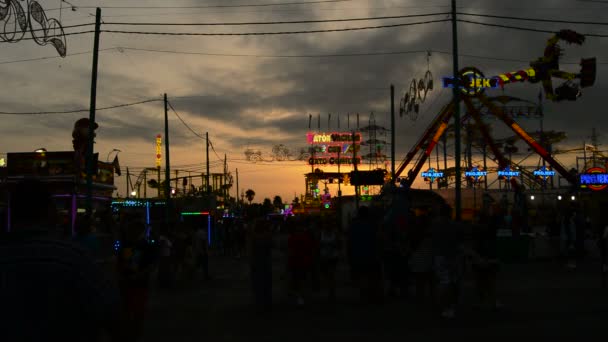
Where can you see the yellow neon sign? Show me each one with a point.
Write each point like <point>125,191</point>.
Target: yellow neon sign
<point>158,149</point>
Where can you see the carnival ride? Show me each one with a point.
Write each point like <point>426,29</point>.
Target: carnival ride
<point>472,84</point>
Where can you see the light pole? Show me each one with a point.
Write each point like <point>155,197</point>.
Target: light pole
<point>109,153</point>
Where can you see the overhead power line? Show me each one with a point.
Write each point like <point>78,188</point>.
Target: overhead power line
<point>535,19</point>
<point>184,122</point>
<point>52,57</point>
<point>281,22</point>
<point>308,56</point>
<point>527,28</point>
<point>273,33</point>
<point>353,54</point>
<point>65,34</point>
<point>81,110</point>
<point>212,6</point>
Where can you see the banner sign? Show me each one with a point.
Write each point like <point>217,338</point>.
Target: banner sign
<point>331,149</point>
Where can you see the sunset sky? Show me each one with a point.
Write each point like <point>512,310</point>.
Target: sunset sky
<point>255,92</point>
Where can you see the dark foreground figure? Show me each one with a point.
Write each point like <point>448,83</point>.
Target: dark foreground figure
<point>50,290</point>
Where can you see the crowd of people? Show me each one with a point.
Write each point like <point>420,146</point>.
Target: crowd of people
<point>423,257</point>
<point>419,254</point>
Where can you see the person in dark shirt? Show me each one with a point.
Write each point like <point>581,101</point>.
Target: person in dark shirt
<point>260,254</point>
<point>135,262</point>
<point>50,290</point>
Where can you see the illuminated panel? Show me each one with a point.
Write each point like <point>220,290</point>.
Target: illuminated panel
<point>326,147</point>
<point>334,138</point>
<point>431,175</point>
<point>595,179</point>
<point>476,173</point>
<point>544,173</point>
<point>508,173</point>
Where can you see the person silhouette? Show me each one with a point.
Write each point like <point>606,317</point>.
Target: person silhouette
<point>51,289</point>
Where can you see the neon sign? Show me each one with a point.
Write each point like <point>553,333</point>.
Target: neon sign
<point>595,179</point>
<point>508,173</point>
<point>336,138</point>
<point>471,81</point>
<point>158,150</point>
<point>327,147</point>
<point>333,161</point>
<point>475,174</point>
<point>431,175</point>
<point>544,173</point>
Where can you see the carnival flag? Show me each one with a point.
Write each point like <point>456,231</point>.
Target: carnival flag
<point>116,165</point>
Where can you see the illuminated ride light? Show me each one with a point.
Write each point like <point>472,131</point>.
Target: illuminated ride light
<point>475,174</point>
<point>544,173</point>
<point>431,175</point>
<point>507,173</point>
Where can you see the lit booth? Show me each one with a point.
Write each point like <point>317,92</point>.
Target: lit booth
<point>57,172</point>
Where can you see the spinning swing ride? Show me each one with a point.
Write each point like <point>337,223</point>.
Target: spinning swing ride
<point>473,84</point>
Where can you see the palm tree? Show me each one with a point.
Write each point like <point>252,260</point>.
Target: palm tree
<point>278,202</point>
<point>250,194</point>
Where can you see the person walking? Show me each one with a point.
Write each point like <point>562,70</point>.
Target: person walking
<point>200,248</point>
<point>366,260</point>
<point>165,273</point>
<point>421,260</point>
<point>135,262</point>
<point>602,242</point>
<point>448,244</point>
<point>260,254</point>
<point>51,289</point>
<point>300,246</point>
<point>485,262</point>
<point>329,252</point>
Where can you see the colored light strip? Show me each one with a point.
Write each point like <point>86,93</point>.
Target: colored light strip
<point>195,213</point>
<point>542,173</point>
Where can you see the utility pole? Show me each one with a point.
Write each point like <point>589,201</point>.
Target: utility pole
<point>158,181</point>
<point>225,182</point>
<point>208,189</point>
<point>393,134</point>
<point>128,178</point>
<point>456,93</point>
<point>167,164</point>
<point>237,186</point>
<point>356,171</point>
<point>176,180</point>
<point>92,124</point>
<point>145,183</point>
